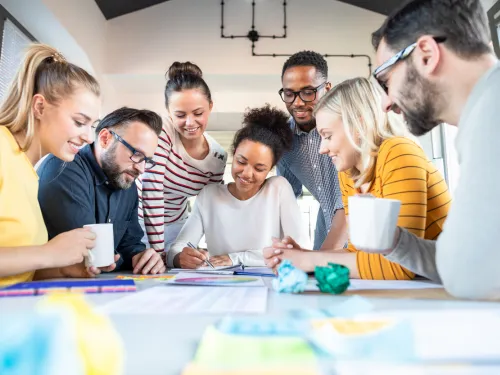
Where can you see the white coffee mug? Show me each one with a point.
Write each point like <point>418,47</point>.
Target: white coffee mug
<point>103,254</point>
<point>372,222</point>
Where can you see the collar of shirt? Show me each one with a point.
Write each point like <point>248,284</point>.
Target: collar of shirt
<point>296,130</point>
<point>87,153</point>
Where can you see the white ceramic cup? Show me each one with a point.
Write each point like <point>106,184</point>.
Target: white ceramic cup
<point>372,222</point>
<point>103,254</point>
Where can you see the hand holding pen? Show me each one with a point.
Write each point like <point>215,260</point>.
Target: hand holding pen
<point>206,255</point>
<point>191,258</point>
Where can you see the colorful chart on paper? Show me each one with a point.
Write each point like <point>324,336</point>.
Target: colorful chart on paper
<point>216,280</point>
<point>146,277</point>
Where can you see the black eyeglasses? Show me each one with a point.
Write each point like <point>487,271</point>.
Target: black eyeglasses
<point>400,56</point>
<point>137,156</point>
<point>306,95</point>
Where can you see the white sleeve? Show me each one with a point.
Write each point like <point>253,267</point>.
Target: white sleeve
<point>192,231</point>
<point>467,255</point>
<point>415,254</point>
<point>290,217</point>
<point>249,258</point>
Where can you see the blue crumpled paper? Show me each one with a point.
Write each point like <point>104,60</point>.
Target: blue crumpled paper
<point>290,279</point>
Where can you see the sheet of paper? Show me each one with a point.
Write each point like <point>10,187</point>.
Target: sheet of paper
<point>356,284</point>
<point>191,300</point>
<point>186,278</point>
<point>461,335</point>
<point>391,284</point>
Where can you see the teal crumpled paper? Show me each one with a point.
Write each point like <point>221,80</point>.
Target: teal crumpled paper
<point>290,279</point>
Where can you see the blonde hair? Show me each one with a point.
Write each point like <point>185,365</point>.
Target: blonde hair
<point>43,71</point>
<point>366,125</point>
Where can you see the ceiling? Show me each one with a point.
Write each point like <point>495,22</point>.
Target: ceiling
<point>380,6</point>
<point>115,8</point>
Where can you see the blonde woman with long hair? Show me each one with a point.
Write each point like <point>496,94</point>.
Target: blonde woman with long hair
<point>49,108</point>
<point>375,154</point>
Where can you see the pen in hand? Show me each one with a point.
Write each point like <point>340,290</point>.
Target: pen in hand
<point>206,260</point>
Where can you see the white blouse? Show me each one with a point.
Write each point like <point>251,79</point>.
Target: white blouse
<point>238,228</point>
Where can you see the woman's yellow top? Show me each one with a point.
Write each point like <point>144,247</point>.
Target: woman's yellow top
<point>21,221</point>
<point>402,172</point>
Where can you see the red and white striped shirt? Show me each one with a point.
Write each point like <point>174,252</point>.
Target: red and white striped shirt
<point>165,189</point>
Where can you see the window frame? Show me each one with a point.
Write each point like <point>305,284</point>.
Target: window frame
<point>5,15</point>
<point>494,26</point>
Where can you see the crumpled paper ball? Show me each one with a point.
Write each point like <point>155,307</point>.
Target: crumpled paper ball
<point>333,279</point>
<point>290,279</point>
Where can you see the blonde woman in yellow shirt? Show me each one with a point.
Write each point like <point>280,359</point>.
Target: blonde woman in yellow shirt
<point>49,108</point>
<point>374,154</point>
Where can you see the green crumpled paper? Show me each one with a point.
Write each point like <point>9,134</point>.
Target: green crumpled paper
<point>333,279</point>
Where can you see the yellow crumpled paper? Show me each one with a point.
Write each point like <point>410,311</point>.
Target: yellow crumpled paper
<point>99,346</point>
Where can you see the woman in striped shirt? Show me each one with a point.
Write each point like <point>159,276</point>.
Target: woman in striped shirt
<point>374,154</point>
<point>187,159</point>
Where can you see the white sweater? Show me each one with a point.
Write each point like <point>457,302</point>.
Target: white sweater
<point>466,257</point>
<point>238,228</point>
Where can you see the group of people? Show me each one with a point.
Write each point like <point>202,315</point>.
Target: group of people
<point>137,170</point>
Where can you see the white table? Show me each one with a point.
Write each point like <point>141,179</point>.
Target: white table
<point>159,344</point>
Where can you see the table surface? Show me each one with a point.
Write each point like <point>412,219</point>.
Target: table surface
<point>159,344</point>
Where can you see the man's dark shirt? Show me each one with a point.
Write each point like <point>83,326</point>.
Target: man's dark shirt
<point>74,194</point>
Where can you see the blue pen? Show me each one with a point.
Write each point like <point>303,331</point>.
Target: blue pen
<point>206,260</point>
<point>245,273</point>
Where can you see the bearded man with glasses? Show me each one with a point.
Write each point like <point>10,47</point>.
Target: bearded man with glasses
<point>436,66</point>
<point>304,81</point>
<point>99,187</point>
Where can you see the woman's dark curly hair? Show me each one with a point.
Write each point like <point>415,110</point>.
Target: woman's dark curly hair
<point>269,126</point>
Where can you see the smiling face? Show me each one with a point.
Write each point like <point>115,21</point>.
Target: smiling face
<point>408,92</point>
<point>189,111</point>
<point>66,126</point>
<point>335,142</point>
<point>252,162</point>
<point>298,78</point>
<point>115,158</point>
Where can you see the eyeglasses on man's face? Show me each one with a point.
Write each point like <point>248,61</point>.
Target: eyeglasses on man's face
<point>306,95</point>
<point>400,56</point>
<point>137,156</point>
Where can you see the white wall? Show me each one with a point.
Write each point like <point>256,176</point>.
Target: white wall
<point>130,54</point>
<point>85,22</point>
<point>143,44</point>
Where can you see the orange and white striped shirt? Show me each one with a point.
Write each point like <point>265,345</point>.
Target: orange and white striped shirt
<point>402,172</point>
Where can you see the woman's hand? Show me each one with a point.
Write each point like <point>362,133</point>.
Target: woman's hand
<point>286,243</point>
<point>190,258</point>
<point>301,259</point>
<point>221,260</point>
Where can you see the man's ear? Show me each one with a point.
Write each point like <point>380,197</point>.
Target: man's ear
<point>328,86</point>
<point>427,55</point>
<point>104,138</point>
<point>38,106</point>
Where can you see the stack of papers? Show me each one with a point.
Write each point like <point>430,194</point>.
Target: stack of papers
<point>191,300</point>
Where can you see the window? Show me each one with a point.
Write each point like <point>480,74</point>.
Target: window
<point>494,21</point>
<point>14,39</point>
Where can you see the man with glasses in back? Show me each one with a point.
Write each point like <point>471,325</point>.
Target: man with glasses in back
<point>304,81</point>
<point>99,187</point>
<point>437,67</point>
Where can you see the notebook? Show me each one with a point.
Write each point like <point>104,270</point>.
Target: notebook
<point>37,288</point>
<point>229,270</point>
